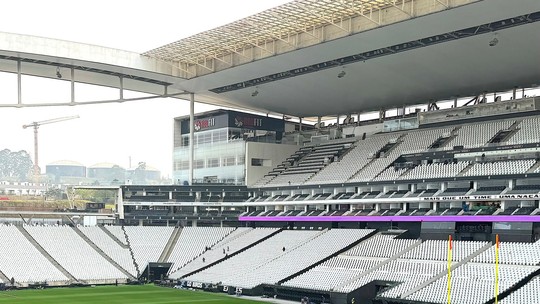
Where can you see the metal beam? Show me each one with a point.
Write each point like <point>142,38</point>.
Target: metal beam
<point>72,85</point>
<point>82,103</point>
<point>191,135</point>
<point>19,83</point>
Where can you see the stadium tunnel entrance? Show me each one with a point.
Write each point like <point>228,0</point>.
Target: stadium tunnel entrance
<point>155,272</point>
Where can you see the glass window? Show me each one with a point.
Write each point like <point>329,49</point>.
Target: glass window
<point>198,164</point>
<point>212,163</point>
<point>229,161</point>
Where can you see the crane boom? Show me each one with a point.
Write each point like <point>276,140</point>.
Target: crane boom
<point>36,125</point>
<point>49,121</point>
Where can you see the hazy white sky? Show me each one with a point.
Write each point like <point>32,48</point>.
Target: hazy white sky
<point>105,133</point>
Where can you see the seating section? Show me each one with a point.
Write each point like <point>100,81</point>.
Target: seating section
<point>351,264</point>
<point>524,189</point>
<point>483,132</point>
<point>373,158</point>
<point>305,163</point>
<point>23,262</point>
<point>358,157</point>
<point>528,131</point>
<point>526,294</point>
<point>332,273</point>
<point>147,243</point>
<point>112,249</point>
<point>279,257</point>
<point>472,283</point>
<point>512,254</point>
<point>380,246</point>
<point>409,143</point>
<point>417,269</point>
<point>193,241</point>
<point>238,240</point>
<point>435,170</point>
<point>117,232</point>
<point>437,250</point>
<point>74,254</point>
<point>407,272</point>
<point>501,167</point>
<point>409,263</point>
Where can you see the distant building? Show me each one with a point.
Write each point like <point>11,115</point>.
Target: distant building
<point>230,147</point>
<point>64,170</point>
<point>143,176</point>
<point>106,174</point>
<point>22,188</point>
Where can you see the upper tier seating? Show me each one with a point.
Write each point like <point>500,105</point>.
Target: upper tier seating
<point>435,170</point>
<point>408,143</point>
<point>519,166</point>
<point>528,131</point>
<point>483,132</point>
<point>305,163</point>
<point>359,156</point>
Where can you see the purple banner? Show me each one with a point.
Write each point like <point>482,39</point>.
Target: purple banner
<point>396,218</point>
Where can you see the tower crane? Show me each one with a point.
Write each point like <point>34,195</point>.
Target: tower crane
<point>36,125</point>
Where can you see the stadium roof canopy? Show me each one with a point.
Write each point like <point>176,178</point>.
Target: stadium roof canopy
<point>321,57</point>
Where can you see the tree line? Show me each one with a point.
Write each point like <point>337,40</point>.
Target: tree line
<point>15,165</point>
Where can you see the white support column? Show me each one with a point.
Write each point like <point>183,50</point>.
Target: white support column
<point>120,204</point>
<point>300,126</point>
<point>19,82</point>
<point>191,135</point>
<point>72,85</point>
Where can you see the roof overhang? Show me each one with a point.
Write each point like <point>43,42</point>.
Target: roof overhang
<point>451,67</point>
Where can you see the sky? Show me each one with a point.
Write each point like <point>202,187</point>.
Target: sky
<point>140,131</point>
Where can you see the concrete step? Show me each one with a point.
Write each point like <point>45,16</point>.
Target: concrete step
<point>112,236</point>
<point>169,247</point>
<point>445,272</point>
<point>131,252</point>
<point>103,254</point>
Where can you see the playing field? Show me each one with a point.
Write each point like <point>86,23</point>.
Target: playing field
<point>147,294</point>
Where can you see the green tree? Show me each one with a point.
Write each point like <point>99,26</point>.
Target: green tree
<point>15,165</point>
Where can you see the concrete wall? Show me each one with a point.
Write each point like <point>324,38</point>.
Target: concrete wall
<point>272,154</point>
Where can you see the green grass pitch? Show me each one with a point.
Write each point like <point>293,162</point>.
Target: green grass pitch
<point>147,294</point>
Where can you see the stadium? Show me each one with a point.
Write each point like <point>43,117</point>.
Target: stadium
<point>368,151</point>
